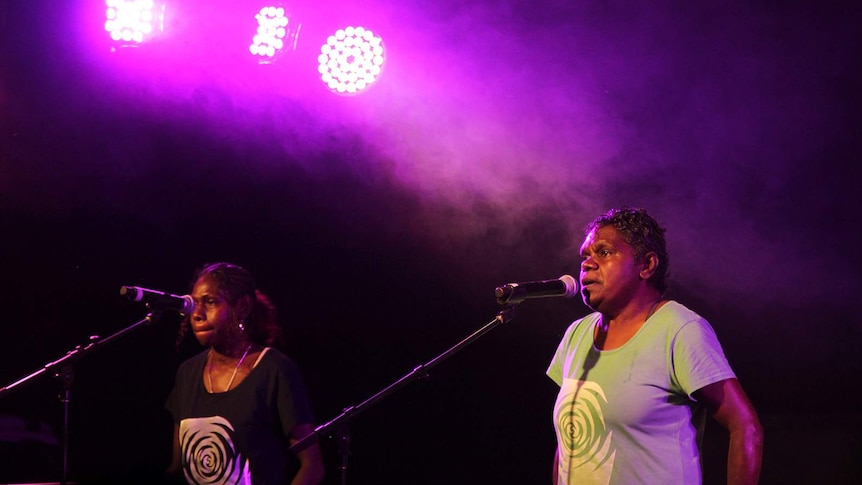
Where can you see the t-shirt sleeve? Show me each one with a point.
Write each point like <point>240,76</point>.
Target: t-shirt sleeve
<point>294,405</point>
<point>176,397</point>
<point>565,351</point>
<point>555,369</point>
<point>697,357</point>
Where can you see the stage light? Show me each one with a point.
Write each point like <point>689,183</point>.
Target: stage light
<point>351,60</point>
<point>276,34</point>
<point>132,22</point>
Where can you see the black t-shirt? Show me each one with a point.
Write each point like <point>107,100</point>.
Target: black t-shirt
<point>240,434</point>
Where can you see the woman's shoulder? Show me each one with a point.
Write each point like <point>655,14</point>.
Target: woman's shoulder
<point>675,320</point>
<point>583,323</point>
<point>678,314</point>
<point>195,360</point>
<point>274,357</point>
<point>192,365</point>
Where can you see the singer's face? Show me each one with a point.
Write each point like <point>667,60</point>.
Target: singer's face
<point>213,318</point>
<point>609,270</point>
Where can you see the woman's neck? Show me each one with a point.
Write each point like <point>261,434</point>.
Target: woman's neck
<point>233,351</point>
<point>636,312</point>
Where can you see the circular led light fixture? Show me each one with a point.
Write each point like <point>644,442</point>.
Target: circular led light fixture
<point>351,60</point>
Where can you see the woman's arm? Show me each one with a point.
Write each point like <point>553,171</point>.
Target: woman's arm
<point>311,468</point>
<point>728,404</point>
<point>173,470</point>
<point>554,474</point>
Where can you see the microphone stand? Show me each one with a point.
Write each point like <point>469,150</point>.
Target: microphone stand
<point>339,425</point>
<point>63,370</point>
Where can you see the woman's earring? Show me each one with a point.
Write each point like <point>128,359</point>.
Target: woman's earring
<point>241,326</point>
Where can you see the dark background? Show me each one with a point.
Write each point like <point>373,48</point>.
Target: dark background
<point>381,223</point>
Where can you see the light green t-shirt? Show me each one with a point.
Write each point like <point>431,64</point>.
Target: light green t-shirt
<point>626,416</point>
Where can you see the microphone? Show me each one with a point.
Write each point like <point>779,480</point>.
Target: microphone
<point>513,293</point>
<point>159,300</point>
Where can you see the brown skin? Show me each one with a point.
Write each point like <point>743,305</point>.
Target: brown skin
<point>215,323</point>
<point>728,404</point>
<point>614,283</point>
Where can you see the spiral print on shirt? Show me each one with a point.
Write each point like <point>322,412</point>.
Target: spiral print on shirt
<point>209,454</point>
<point>584,440</point>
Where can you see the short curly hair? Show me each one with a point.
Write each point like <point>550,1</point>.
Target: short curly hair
<point>643,233</point>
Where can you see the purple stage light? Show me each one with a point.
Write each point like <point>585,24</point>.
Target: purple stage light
<point>276,33</point>
<point>351,60</point>
<point>132,22</point>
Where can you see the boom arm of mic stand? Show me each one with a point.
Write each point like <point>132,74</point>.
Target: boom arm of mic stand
<point>62,369</point>
<point>418,372</point>
<point>75,355</point>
